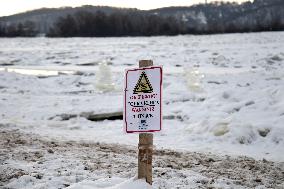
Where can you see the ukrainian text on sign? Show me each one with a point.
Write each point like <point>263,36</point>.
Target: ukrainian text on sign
<point>142,99</point>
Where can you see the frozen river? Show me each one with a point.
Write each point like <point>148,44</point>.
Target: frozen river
<point>222,93</point>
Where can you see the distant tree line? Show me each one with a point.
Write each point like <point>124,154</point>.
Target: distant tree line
<point>215,17</point>
<point>26,29</point>
<point>99,24</point>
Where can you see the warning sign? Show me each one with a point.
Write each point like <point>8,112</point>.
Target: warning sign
<point>142,99</point>
<point>143,85</point>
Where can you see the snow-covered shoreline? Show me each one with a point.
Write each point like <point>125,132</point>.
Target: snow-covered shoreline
<point>37,162</point>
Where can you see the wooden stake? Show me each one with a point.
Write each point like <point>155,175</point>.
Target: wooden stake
<point>145,146</point>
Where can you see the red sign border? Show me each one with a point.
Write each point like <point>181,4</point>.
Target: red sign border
<point>161,81</point>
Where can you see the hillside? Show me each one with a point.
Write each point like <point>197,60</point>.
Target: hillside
<point>45,18</point>
<point>217,17</point>
<point>229,17</point>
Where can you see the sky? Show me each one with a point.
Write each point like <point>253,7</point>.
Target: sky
<point>9,7</point>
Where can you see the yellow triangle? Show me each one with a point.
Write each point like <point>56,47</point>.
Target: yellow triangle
<point>143,85</point>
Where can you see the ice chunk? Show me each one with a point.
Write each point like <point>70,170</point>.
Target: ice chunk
<point>221,129</point>
<point>193,79</point>
<point>104,78</point>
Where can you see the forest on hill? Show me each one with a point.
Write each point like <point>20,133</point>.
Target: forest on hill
<point>99,21</point>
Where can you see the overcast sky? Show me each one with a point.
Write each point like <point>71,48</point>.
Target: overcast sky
<point>9,7</point>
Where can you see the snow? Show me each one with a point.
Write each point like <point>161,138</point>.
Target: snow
<point>128,184</point>
<point>202,18</point>
<point>225,92</point>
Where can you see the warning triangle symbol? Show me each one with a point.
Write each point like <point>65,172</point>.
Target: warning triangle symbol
<point>143,85</point>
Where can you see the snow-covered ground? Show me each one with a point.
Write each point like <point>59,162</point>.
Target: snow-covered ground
<point>222,94</point>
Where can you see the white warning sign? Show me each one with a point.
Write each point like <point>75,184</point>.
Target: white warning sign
<point>142,100</point>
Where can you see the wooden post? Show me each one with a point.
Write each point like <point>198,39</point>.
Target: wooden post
<point>145,146</point>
